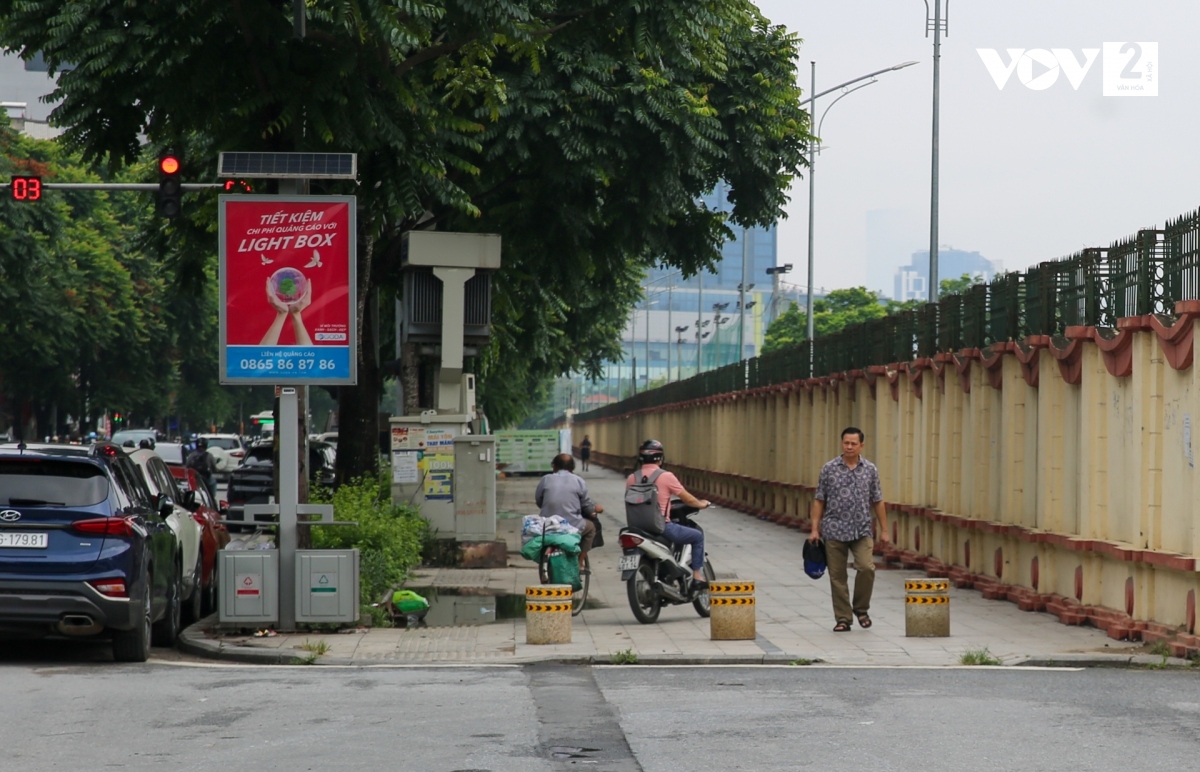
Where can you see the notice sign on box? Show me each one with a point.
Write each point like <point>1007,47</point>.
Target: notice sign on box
<point>249,584</point>
<point>287,278</point>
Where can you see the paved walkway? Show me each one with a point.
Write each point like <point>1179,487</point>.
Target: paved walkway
<point>795,617</point>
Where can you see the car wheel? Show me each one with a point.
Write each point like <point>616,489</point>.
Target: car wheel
<point>194,607</point>
<point>134,645</point>
<point>166,630</point>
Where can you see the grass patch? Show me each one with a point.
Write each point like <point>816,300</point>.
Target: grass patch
<point>1160,648</point>
<point>978,657</point>
<point>627,657</point>
<point>801,661</point>
<point>311,659</point>
<point>316,648</point>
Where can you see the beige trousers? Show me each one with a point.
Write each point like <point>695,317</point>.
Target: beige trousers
<point>836,555</point>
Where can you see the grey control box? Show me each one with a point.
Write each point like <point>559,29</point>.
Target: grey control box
<point>249,586</point>
<point>327,586</point>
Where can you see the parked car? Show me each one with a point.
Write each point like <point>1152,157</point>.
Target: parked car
<point>85,549</point>
<point>162,486</point>
<point>227,450</point>
<point>254,481</point>
<point>213,533</point>
<point>132,438</point>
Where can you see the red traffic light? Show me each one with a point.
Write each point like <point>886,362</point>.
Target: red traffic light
<point>168,164</point>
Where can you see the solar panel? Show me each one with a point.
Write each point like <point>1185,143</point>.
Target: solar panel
<point>281,165</point>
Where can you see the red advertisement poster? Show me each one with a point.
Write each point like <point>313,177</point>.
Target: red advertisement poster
<point>287,281</point>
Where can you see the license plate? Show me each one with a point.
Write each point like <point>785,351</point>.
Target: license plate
<point>33,541</point>
<point>629,562</point>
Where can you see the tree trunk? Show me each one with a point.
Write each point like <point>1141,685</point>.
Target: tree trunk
<point>358,406</point>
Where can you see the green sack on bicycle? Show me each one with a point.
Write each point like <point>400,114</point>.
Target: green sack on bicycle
<point>564,569</point>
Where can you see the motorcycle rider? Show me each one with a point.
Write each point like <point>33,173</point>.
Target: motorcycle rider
<point>200,460</point>
<point>562,492</point>
<point>650,458</point>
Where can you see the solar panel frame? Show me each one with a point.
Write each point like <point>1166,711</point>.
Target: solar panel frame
<point>331,166</point>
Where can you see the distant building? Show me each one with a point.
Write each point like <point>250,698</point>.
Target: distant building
<point>911,282</point>
<point>22,86</point>
<point>892,235</point>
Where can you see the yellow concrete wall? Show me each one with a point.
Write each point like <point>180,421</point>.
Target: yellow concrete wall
<point>1098,476</point>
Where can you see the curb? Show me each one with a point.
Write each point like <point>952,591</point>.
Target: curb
<point>1099,660</point>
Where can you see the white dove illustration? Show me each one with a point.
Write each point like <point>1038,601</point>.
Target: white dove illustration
<point>266,260</point>
<point>316,260</point>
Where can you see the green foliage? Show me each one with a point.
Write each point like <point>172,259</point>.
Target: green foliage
<point>980,656</point>
<point>582,131</point>
<point>802,661</point>
<point>626,657</point>
<point>389,537</point>
<point>838,309</point>
<point>318,648</point>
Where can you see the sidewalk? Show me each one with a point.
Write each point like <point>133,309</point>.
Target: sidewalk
<point>795,617</point>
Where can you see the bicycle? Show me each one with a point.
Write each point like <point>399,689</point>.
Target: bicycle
<point>545,576</point>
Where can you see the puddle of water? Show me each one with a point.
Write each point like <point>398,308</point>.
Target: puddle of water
<point>469,606</point>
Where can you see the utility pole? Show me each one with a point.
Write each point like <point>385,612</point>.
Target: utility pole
<point>670,322</point>
<point>647,365</point>
<point>741,343</point>
<point>700,323</point>
<point>938,26</point>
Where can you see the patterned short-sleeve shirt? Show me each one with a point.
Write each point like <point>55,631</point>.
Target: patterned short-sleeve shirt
<point>848,495</point>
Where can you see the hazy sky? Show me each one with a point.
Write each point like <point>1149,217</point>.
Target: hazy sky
<point>1026,175</point>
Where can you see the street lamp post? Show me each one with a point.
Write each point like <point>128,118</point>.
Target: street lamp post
<point>679,331</point>
<point>938,25</point>
<point>718,320</point>
<point>814,149</point>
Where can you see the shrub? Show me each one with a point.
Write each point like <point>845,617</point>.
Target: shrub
<point>389,537</point>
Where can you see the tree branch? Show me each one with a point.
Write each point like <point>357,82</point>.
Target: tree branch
<point>429,54</point>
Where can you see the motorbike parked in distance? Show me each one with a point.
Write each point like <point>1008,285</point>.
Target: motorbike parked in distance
<point>658,572</point>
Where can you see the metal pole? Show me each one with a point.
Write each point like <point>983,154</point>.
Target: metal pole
<point>647,367</point>
<point>742,296</point>
<point>933,203</point>
<point>700,325</point>
<point>670,329</point>
<point>812,171</point>
<point>289,498</point>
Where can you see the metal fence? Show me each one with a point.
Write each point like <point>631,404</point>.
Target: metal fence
<point>1146,273</point>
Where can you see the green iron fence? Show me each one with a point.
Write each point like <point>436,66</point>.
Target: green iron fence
<point>1146,273</point>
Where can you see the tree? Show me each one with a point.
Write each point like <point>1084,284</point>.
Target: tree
<point>839,309</point>
<point>583,131</point>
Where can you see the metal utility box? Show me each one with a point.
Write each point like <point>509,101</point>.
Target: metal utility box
<point>327,586</point>
<point>249,586</point>
<point>474,488</point>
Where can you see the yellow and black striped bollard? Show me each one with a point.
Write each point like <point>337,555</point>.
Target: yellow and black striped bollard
<point>927,608</point>
<point>732,607</point>
<point>548,613</point>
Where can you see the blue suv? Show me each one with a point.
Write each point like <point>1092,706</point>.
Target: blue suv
<point>85,550</point>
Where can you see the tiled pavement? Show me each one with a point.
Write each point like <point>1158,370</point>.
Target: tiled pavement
<point>794,612</point>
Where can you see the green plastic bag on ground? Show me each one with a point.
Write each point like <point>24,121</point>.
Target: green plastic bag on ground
<point>564,569</point>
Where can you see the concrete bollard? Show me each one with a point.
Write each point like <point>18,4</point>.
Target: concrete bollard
<point>732,611</point>
<point>927,608</point>
<point>548,613</point>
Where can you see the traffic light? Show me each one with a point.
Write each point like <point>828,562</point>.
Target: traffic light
<point>238,185</point>
<point>170,188</point>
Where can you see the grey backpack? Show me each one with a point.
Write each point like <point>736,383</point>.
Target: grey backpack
<point>641,505</point>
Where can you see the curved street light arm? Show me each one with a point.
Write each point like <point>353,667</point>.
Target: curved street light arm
<point>900,66</point>
<point>843,95</point>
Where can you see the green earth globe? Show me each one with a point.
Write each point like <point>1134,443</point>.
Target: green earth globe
<point>288,284</point>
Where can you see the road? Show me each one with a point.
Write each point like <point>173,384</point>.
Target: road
<point>64,712</point>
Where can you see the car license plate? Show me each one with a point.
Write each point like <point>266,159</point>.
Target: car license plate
<point>629,562</point>
<point>23,540</point>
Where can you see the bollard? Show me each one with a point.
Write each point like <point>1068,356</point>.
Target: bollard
<point>548,613</point>
<point>927,608</point>
<point>732,611</point>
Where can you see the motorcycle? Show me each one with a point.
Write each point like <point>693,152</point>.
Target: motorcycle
<point>658,572</point>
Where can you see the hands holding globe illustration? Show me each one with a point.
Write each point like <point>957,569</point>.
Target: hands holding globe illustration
<point>289,292</point>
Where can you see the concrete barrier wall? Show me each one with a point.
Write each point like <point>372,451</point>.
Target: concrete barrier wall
<point>1058,474</point>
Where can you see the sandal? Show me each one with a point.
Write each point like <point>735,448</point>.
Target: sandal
<point>864,621</point>
<point>842,627</point>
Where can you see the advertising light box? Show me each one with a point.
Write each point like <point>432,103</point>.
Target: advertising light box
<point>287,277</point>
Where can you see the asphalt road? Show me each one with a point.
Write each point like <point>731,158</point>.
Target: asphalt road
<point>64,713</point>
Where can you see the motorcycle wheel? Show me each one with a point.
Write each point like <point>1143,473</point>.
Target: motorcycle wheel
<point>643,600</point>
<point>702,603</point>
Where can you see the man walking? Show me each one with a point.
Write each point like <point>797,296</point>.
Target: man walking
<point>847,490</point>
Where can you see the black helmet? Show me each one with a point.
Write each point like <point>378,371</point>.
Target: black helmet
<point>651,452</point>
<point>201,444</point>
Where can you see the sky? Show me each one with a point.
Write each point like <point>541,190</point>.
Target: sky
<point>1027,175</point>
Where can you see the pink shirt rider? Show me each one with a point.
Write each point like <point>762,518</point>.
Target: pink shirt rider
<point>667,483</point>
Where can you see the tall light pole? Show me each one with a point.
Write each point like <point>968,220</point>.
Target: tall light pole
<point>679,331</point>
<point>814,149</point>
<point>742,295</point>
<point>699,322</point>
<point>938,24</point>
